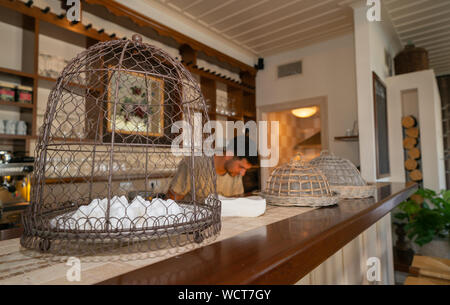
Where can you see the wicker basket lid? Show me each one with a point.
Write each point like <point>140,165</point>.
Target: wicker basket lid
<point>297,179</point>
<point>339,171</point>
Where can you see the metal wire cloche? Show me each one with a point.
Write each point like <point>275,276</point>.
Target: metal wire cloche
<point>111,123</point>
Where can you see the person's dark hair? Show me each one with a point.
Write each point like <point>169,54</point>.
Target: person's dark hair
<point>249,151</point>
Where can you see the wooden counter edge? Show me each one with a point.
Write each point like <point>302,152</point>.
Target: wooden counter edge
<point>328,243</point>
<point>303,259</point>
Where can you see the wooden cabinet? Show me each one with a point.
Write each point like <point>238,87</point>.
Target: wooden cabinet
<point>45,23</point>
<point>18,66</point>
<point>47,30</point>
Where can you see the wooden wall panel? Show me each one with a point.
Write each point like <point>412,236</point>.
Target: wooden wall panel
<point>354,264</point>
<point>306,280</point>
<point>384,247</point>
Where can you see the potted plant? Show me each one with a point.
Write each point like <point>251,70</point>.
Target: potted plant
<point>426,218</point>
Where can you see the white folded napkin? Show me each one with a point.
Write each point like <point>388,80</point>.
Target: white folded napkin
<point>252,206</point>
<point>138,213</point>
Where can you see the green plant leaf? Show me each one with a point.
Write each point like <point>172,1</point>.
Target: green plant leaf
<point>426,193</point>
<point>446,195</point>
<point>409,226</point>
<point>411,207</point>
<point>401,215</point>
<point>437,202</point>
<point>425,239</point>
<point>430,219</point>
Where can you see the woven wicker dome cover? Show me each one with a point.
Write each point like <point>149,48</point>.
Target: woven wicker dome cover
<point>297,179</point>
<point>339,171</point>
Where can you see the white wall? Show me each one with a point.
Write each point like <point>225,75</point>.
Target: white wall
<point>11,46</point>
<point>328,70</point>
<point>371,41</point>
<point>430,123</point>
<point>382,38</point>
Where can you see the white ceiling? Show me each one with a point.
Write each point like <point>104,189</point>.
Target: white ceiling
<point>267,27</point>
<point>426,23</point>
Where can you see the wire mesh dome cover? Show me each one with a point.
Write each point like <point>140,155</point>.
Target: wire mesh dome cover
<point>298,184</point>
<point>107,133</point>
<point>343,176</point>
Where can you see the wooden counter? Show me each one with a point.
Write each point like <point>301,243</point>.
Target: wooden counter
<point>280,247</point>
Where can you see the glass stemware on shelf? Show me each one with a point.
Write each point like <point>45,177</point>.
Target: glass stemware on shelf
<point>51,66</point>
<point>225,105</point>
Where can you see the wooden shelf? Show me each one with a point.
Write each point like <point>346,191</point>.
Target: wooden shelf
<point>16,137</point>
<point>347,138</point>
<point>51,79</point>
<point>315,146</point>
<point>249,114</point>
<point>156,175</point>
<point>21,143</point>
<point>231,117</point>
<point>54,80</point>
<point>76,140</point>
<point>214,76</point>
<point>52,18</point>
<point>118,9</point>
<point>38,21</point>
<point>17,73</point>
<point>16,104</point>
<point>235,117</point>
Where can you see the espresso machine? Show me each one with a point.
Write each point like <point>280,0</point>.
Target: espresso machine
<point>15,175</point>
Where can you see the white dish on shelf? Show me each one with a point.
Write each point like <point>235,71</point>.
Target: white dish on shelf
<point>10,127</point>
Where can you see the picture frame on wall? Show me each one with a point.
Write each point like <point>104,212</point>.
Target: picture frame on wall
<point>140,110</point>
<point>381,127</point>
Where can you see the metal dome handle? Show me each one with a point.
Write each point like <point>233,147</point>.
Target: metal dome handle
<point>136,38</point>
<point>325,152</point>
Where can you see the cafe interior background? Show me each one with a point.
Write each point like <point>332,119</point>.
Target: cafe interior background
<point>332,78</point>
